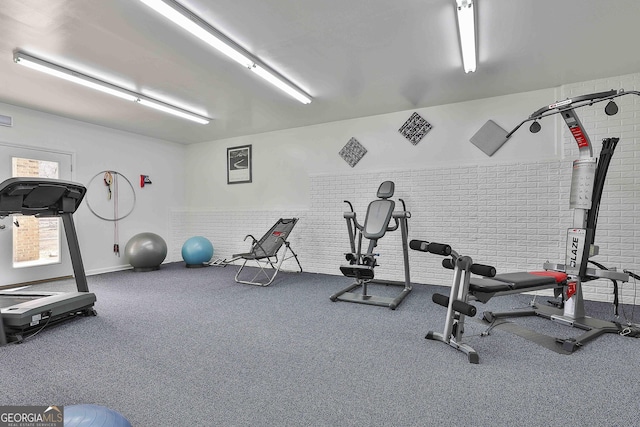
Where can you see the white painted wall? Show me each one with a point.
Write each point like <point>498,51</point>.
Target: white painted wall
<point>97,149</point>
<point>510,210</point>
<point>283,161</point>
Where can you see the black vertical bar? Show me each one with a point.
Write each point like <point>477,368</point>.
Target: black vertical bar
<point>74,251</point>
<point>3,336</point>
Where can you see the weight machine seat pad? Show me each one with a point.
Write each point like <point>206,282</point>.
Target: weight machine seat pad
<point>250,255</point>
<point>379,214</point>
<point>520,281</point>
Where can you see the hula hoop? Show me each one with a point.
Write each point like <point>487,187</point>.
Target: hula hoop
<point>133,205</point>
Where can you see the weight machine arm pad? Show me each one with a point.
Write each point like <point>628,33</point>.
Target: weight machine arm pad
<point>479,269</point>
<point>431,247</point>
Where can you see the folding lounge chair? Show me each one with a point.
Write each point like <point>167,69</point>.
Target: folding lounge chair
<point>264,253</point>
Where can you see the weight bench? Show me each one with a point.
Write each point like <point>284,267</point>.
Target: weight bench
<point>264,254</point>
<point>466,289</point>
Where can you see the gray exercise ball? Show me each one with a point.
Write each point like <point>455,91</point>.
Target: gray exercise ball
<point>146,251</point>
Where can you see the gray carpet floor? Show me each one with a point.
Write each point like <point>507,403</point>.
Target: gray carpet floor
<point>190,347</point>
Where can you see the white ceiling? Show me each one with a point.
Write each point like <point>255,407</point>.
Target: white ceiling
<point>354,57</point>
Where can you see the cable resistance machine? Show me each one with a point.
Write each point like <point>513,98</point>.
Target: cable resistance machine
<point>587,184</point>
<point>361,264</point>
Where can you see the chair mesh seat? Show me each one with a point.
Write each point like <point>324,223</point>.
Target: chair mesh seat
<point>264,253</point>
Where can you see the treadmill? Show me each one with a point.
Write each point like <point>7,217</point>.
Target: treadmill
<point>24,313</point>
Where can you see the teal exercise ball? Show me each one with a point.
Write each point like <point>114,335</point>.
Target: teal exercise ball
<point>197,251</point>
<point>93,416</point>
<point>145,251</point>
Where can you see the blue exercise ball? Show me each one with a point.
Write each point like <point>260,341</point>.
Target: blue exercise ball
<point>197,251</point>
<point>93,416</point>
<point>146,251</point>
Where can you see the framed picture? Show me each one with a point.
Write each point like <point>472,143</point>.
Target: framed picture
<point>239,164</point>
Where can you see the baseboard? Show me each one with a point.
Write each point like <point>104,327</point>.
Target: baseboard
<point>96,271</point>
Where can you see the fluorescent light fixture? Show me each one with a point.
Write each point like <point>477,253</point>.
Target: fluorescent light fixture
<point>161,106</point>
<point>178,14</point>
<point>93,83</point>
<point>467,29</point>
<point>279,83</point>
<point>70,75</point>
<point>195,25</point>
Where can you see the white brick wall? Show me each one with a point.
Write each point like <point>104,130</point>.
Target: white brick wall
<point>487,212</point>
<point>513,216</point>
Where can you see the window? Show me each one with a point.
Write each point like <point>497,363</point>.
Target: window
<point>36,241</point>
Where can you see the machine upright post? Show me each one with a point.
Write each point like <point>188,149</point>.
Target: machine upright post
<point>582,184</point>
<point>455,288</point>
<point>74,250</point>
<point>405,247</point>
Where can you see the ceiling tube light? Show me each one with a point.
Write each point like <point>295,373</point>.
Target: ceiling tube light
<point>280,84</point>
<point>466,27</point>
<point>161,106</point>
<point>72,76</point>
<point>181,16</point>
<point>93,83</point>
<point>195,25</point>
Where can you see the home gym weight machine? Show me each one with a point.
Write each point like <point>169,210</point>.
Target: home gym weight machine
<point>361,264</point>
<point>587,184</point>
